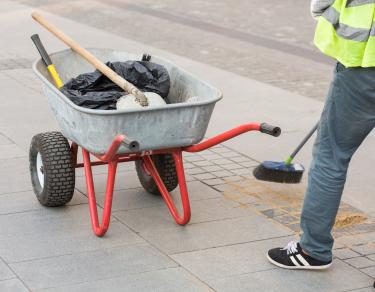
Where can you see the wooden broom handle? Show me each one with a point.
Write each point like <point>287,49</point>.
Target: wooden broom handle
<point>117,79</point>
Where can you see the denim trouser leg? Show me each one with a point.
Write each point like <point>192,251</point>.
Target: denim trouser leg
<point>348,117</point>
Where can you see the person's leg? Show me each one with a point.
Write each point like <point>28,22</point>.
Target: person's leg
<point>348,117</point>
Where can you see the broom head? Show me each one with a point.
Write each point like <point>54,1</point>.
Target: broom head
<point>279,172</point>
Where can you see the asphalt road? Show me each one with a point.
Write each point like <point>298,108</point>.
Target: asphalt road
<point>269,41</point>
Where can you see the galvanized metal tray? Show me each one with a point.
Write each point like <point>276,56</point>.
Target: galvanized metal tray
<point>174,125</point>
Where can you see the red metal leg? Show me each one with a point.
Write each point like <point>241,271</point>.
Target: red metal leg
<point>74,150</point>
<point>99,230</point>
<point>112,158</point>
<point>112,150</point>
<point>150,166</point>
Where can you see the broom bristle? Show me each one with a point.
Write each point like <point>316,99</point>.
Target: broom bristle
<point>278,172</point>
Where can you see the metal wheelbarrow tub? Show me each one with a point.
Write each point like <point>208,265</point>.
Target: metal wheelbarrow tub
<point>175,125</point>
<point>165,132</point>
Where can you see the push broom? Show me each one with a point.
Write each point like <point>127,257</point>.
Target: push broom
<point>286,171</point>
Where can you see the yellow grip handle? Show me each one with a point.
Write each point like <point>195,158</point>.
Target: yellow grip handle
<point>52,70</point>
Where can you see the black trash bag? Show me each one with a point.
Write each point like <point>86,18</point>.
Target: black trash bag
<point>95,91</point>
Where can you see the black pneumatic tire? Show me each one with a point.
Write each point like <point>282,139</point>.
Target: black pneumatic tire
<point>57,169</point>
<point>164,163</point>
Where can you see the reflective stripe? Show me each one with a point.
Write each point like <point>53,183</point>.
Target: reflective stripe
<point>294,261</point>
<point>372,32</point>
<point>345,31</point>
<point>302,260</point>
<point>332,15</point>
<point>353,3</point>
<point>351,33</point>
<point>348,34</point>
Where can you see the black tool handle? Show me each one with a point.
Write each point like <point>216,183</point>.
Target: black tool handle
<point>270,130</point>
<point>131,144</point>
<point>146,57</point>
<point>42,51</point>
<point>304,141</point>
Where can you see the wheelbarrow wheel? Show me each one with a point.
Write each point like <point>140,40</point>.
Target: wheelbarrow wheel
<point>165,165</point>
<point>51,169</point>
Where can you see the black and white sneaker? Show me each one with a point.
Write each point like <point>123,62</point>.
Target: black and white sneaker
<point>293,257</point>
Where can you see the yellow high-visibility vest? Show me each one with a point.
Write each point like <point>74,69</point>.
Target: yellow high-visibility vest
<point>346,32</point>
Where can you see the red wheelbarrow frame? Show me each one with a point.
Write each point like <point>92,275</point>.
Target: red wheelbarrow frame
<point>112,159</point>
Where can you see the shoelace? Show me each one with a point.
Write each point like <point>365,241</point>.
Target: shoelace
<point>291,247</point>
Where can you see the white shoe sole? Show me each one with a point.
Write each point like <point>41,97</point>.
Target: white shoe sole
<point>324,267</point>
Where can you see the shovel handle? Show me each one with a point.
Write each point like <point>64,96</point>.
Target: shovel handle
<point>42,51</point>
<point>47,60</point>
<point>112,75</point>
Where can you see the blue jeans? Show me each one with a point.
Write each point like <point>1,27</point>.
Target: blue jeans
<point>348,117</point>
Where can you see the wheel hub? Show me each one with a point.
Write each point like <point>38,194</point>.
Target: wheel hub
<point>40,169</point>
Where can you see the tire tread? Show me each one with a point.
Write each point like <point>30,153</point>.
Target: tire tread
<point>58,167</point>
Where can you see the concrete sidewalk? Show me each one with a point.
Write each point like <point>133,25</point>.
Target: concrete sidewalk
<point>234,218</point>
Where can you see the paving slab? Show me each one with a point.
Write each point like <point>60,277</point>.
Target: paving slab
<point>369,271</point>
<point>14,175</point>
<point>340,277</point>
<point>56,231</point>
<point>224,174</point>
<point>22,133</point>
<point>17,126</point>
<point>204,176</point>
<point>214,234</point>
<point>214,182</point>
<point>359,239</point>
<point>222,262</point>
<point>167,280</point>
<point>5,272</point>
<point>12,285</point>
<point>364,249</point>
<point>137,198</point>
<point>360,262</point>
<point>27,201</point>
<point>345,253</point>
<point>124,181</point>
<point>10,151</point>
<point>4,140</point>
<point>20,71</point>
<point>91,266</point>
<point>18,97</point>
<point>159,217</point>
<point>195,170</point>
<point>371,256</point>
<point>131,199</point>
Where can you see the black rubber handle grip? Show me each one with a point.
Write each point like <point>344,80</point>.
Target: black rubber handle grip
<point>42,51</point>
<point>131,144</point>
<point>270,130</point>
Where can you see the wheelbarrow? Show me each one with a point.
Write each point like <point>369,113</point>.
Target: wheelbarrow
<point>155,138</point>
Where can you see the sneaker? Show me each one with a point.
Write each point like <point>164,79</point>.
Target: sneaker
<point>293,257</point>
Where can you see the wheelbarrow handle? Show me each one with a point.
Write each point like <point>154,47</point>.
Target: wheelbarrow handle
<point>270,130</point>
<point>264,128</point>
